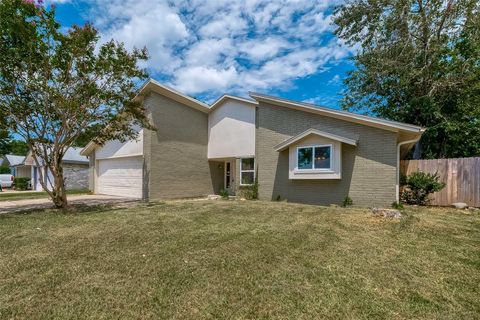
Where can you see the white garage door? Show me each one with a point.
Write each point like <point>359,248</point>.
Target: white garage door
<point>120,177</point>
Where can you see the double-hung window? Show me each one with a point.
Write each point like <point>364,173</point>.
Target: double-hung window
<point>247,171</point>
<point>314,157</point>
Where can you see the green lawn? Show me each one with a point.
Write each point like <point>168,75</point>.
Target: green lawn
<point>34,195</point>
<point>239,260</point>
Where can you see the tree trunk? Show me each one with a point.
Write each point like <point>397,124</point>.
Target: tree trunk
<point>59,194</point>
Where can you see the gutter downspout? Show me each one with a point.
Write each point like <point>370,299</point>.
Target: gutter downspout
<point>397,187</point>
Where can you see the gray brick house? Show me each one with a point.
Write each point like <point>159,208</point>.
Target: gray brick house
<point>75,171</point>
<point>296,151</point>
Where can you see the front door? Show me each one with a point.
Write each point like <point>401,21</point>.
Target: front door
<point>229,178</point>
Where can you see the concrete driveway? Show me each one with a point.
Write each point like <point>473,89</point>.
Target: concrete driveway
<point>46,203</point>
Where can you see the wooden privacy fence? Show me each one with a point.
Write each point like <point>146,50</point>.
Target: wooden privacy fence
<point>461,176</point>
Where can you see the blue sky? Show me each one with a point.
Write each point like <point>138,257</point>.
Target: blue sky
<point>210,47</point>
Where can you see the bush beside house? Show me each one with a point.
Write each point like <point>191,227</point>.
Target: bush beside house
<point>418,186</point>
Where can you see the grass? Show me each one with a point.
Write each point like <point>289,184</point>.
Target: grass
<point>23,195</point>
<point>239,260</point>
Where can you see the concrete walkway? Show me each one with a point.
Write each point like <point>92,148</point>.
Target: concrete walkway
<point>46,203</point>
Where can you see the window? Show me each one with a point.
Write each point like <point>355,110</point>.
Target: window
<point>315,157</point>
<point>247,171</point>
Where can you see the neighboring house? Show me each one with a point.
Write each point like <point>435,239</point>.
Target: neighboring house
<point>75,170</point>
<point>296,151</point>
<point>11,161</point>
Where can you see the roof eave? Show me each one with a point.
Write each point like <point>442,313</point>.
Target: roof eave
<point>287,143</point>
<point>343,115</point>
<point>88,149</point>
<point>225,97</point>
<point>155,86</point>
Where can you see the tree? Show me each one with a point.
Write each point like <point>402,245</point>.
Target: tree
<point>4,142</point>
<point>56,85</point>
<point>88,135</point>
<point>18,147</point>
<point>418,62</point>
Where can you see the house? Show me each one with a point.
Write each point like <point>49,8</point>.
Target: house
<point>11,160</point>
<point>75,170</point>
<point>295,151</point>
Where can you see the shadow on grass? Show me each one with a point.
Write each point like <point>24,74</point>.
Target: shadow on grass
<point>76,209</point>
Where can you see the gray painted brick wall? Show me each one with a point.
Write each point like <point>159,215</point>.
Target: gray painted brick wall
<point>176,164</point>
<point>76,175</point>
<point>368,170</point>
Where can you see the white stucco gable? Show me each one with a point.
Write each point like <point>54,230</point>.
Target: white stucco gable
<point>118,149</point>
<point>231,128</point>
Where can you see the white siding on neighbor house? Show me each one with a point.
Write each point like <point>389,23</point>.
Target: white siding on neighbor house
<point>23,171</point>
<point>231,130</point>
<point>47,177</point>
<point>116,149</point>
<point>120,177</point>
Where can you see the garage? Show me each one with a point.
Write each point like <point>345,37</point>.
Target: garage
<point>120,177</point>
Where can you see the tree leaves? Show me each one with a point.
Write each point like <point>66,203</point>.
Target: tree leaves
<point>56,87</point>
<point>419,62</point>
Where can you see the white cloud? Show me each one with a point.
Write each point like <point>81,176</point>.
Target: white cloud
<point>229,25</point>
<point>202,79</point>
<point>157,29</point>
<point>208,52</point>
<point>204,47</point>
<point>261,49</point>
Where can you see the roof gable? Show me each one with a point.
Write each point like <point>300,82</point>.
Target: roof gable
<point>72,155</point>
<point>154,86</point>
<point>14,160</point>
<point>339,114</point>
<point>285,144</point>
<point>227,97</point>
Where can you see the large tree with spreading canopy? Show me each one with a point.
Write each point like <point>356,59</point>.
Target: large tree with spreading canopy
<point>55,86</point>
<point>418,61</point>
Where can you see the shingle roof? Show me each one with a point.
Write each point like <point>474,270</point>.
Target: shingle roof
<point>73,154</point>
<point>14,160</point>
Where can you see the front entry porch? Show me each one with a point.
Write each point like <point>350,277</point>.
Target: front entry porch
<point>224,175</point>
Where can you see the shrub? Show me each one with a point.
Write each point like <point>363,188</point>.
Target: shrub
<point>397,205</point>
<point>418,186</point>
<point>347,202</point>
<point>249,192</point>
<point>224,194</point>
<point>21,183</point>
<point>4,170</point>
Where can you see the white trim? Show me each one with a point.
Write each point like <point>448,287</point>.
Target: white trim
<point>285,144</point>
<point>314,170</point>
<point>122,156</point>
<point>348,116</point>
<point>250,170</point>
<point>225,97</point>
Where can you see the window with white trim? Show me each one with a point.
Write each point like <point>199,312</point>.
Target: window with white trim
<point>314,157</point>
<point>247,171</point>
